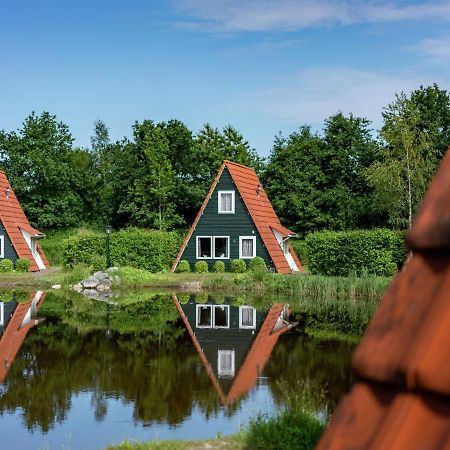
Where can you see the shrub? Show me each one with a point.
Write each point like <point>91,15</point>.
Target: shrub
<point>292,429</point>
<point>22,265</point>
<point>98,262</point>
<point>257,263</point>
<point>143,249</point>
<point>201,267</point>
<point>183,267</point>
<point>238,266</point>
<point>376,252</point>
<point>219,267</point>
<point>6,265</point>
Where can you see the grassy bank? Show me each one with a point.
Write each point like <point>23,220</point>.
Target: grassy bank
<point>292,429</point>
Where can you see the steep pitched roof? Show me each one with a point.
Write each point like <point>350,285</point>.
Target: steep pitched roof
<point>16,331</point>
<point>254,362</point>
<point>14,219</point>
<point>403,401</point>
<point>260,209</point>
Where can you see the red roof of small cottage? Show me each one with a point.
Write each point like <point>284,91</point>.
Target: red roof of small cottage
<point>260,210</point>
<point>403,400</point>
<point>14,220</point>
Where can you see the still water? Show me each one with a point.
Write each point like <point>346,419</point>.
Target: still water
<point>81,374</point>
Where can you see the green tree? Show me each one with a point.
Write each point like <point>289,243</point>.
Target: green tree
<point>407,163</point>
<point>38,162</point>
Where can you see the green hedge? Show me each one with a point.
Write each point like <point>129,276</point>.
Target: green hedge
<point>144,249</point>
<point>342,253</point>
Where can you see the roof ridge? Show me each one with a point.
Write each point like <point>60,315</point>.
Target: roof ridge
<point>227,161</point>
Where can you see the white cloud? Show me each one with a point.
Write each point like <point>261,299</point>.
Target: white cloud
<point>269,15</point>
<point>313,95</point>
<point>437,49</point>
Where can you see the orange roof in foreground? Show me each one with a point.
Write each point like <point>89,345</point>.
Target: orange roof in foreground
<point>13,219</point>
<point>260,209</point>
<point>12,338</point>
<point>403,400</point>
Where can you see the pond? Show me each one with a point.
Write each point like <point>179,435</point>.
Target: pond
<point>81,374</point>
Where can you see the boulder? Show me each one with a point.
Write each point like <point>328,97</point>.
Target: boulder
<point>101,276</point>
<point>104,285</point>
<point>90,283</point>
<point>78,287</point>
<point>112,269</point>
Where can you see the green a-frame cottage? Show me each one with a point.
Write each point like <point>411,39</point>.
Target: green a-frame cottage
<point>237,221</point>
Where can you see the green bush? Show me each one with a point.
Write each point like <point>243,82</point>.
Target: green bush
<point>183,267</point>
<point>6,265</point>
<point>22,265</point>
<point>219,267</point>
<point>201,267</point>
<point>143,249</point>
<point>257,263</point>
<point>375,252</point>
<point>238,266</point>
<point>292,429</point>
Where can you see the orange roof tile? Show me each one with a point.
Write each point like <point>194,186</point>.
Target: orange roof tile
<point>261,212</point>
<point>403,402</point>
<point>13,218</point>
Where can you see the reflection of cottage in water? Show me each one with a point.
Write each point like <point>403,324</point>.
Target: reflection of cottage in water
<point>16,319</point>
<point>234,342</point>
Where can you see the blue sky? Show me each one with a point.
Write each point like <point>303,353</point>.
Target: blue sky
<point>262,66</point>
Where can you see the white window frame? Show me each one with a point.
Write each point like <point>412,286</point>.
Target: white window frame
<point>219,202</point>
<point>212,247</point>
<point>228,373</point>
<point>241,238</point>
<point>197,316</point>
<point>2,246</point>
<point>2,313</point>
<point>227,307</point>
<point>247,327</point>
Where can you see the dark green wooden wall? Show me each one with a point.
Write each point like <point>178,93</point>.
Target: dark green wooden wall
<point>234,225</point>
<point>9,252</point>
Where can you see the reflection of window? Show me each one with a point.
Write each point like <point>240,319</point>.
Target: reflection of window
<point>209,316</point>
<point>225,363</point>
<point>247,247</point>
<point>221,247</point>
<point>247,317</point>
<point>221,316</point>
<point>2,246</point>
<point>204,316</point>
<point>2,313</point>
<point>204,247</point>
<point>226,202</point>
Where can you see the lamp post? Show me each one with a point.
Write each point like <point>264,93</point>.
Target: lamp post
<point>108,230</point>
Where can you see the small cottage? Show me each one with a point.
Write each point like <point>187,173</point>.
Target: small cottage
<point>237,221</point>
<point>18,239</point>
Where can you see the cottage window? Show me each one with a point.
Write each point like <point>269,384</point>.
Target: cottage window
<point>226,202</point>
<point>221,316</point>
<point>204,316</point>
<point>225,363</point>
<point>247,247</point>
<point>221,247</point>
<point>2,246</point>
<point>247,317</point>
<point>204,247</point>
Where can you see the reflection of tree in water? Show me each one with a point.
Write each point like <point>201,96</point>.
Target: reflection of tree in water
<point>163,381</point>
<point>315,372</point>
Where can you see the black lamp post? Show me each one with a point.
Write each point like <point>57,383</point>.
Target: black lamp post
<point>108,230</point>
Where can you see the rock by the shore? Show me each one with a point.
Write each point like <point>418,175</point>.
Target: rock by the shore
<point>98,286</point>
<point>113,269</point>
<point>90,283</point>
